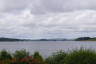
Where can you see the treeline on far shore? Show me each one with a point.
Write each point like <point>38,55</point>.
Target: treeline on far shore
<point>81,56</point>
<point>51,39</point>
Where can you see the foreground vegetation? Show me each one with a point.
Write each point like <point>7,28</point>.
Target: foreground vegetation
<point>81,56</point>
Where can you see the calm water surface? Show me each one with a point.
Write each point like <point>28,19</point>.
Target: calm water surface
<point>47,47</point>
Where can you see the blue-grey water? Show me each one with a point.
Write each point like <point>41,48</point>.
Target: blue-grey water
<point>46,48</point>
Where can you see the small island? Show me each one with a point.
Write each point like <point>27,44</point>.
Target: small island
<point>85,39</point>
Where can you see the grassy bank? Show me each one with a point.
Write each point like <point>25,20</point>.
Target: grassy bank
<point>81,56</point>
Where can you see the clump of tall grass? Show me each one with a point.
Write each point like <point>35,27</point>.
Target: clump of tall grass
<point>81,56</point>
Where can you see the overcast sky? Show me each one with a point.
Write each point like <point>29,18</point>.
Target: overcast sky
<point>47,18</point>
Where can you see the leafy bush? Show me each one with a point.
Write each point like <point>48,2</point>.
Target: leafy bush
<point>57,58</point>
<point>21,54</point>
<point>37,56</point>
<point>23,57</point>
<point>4,55</point>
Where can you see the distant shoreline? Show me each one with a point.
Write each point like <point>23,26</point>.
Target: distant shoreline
<point>57,39</point>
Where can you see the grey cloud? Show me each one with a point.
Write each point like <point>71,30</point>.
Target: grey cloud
<point>64,5</point>
<point>14,5</point>
<point>59,6</point>
<point>62,24</point>
<point>47,18</point>
<point>46,6</point>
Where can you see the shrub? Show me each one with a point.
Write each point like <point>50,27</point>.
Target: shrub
<point>4,55</point>
<point>57,58</point>
<point>23,57</point>
<point>38,58</point>
<point>21,54</point>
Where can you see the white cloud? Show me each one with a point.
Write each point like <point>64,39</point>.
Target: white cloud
<point>47,18</point>
<point>27,25</point>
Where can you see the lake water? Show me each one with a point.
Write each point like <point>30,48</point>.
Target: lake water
<point>46,48</point>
